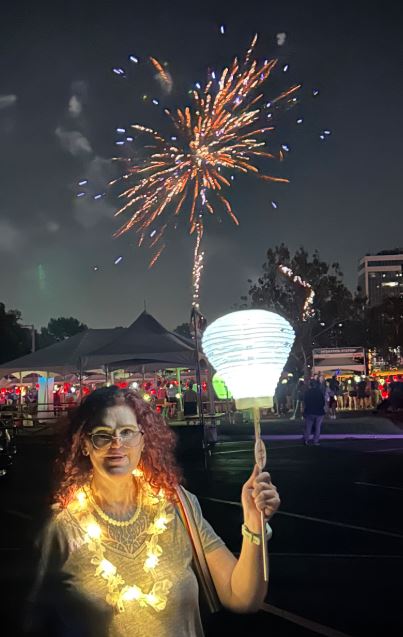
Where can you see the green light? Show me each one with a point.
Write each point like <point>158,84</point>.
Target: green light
<point>221,390</point>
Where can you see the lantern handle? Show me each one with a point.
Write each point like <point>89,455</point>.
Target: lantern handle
<point>260,459</point>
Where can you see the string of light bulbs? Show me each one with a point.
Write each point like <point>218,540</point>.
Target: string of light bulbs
<point>119,592</point>
<point>307,310</point>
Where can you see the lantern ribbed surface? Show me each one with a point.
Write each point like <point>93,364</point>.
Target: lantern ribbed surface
<point>249,350</point>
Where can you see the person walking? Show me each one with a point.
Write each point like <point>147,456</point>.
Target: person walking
<point>314,412</point>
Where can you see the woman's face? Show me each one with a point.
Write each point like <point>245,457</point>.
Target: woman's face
<point>120,455</point>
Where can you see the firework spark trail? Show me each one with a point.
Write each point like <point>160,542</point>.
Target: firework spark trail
<point>307,310</point>
<point>219,132</point>
<point>163,76</point>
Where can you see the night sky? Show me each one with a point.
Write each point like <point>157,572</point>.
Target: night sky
<point>60,105</point>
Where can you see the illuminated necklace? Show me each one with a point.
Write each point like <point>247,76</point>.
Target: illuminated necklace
<point>119,593</point>
<point>112,521</point>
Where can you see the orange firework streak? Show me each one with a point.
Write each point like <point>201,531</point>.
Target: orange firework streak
<point>219,132</point>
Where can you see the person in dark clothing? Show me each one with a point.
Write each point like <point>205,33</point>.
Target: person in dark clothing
<point>314,412</point>
<point>190,401</point>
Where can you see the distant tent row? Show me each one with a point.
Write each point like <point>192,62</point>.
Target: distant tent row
<point>144,344</point>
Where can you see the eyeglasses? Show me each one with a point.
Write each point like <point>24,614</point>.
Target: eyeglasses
<point>127,437</point>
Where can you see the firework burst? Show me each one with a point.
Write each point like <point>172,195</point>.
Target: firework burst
<point>218,134</point>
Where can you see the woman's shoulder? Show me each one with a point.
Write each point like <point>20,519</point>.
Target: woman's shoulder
<point>209,538</point>
<point>64,526</point>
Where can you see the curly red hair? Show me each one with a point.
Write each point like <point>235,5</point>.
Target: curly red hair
<point>157,462</point>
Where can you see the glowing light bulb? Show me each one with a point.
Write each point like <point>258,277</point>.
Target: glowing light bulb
<point>249,349</point>
<point>107,568</point>
<point>151,561</point>
<point>94,531</point>
<point>151,599</point>
<point>160,523</point>
<point>137,473</point>
<point>131,593</point>
<point>81,497</point>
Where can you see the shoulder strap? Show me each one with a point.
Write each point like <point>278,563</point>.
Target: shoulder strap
<point>201,566</point>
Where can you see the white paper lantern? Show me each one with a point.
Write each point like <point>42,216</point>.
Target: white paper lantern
<point>249,349</point>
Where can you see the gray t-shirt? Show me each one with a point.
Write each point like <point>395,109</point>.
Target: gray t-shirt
<point>67,572</point>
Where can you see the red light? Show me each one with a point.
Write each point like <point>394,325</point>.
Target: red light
<point>122,385</point>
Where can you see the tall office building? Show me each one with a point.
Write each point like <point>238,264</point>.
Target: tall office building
<point>381,276</point>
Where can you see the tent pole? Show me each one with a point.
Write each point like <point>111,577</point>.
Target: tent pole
<point>198,376</point>
<point>20,401</point>
<point>81,379</point>
<point>178,380</point>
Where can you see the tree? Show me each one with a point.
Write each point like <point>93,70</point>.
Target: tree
<point>385,328</point>
<point>334,309</point>
<point>60,329</point>
<point>183,330</point>
<point>14,340</point>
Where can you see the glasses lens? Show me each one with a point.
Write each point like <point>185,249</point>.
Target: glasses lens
<point>101,440</point>
<point>130,437</point>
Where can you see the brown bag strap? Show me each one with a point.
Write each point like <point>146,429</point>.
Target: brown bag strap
<point>200,562</point>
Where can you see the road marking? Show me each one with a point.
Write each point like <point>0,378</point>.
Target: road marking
<point>315,627</point>
<point>344,525</point>
<point>342,556</point>
<point>216,453</point>
<point>380,486</point>
<point>385,450</point>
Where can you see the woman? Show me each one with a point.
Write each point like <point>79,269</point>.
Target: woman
<point>116,552</point>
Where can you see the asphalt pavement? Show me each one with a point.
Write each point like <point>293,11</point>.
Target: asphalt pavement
<point>336,555</point>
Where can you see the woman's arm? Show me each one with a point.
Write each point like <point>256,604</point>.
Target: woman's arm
<point>240,583</point>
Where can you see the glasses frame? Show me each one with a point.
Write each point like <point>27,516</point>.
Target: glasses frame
<point>107,446</point>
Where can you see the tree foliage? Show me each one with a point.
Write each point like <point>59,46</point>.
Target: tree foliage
<point>335,310</point>
<point>60,328</point>
<point>183,330</point>
<point>14,339</point>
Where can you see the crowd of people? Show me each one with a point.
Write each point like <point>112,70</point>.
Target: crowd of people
<point>341,394</point>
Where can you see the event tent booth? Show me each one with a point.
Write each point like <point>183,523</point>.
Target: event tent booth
<point>144,345</point>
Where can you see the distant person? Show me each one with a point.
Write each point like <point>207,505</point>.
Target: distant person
<point>190,401</point>
<point>314,412</point>
<point>281,397</point>
<point>161,391</point>
<point>376,395</point>
<point>330,397</point>
<point>56,403</point>
<point>340,396</point>
<point>299,400</point>
<point>172,399</point>
<point>171,393</point>
<point>353,395</point>
<point>361,393</point>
